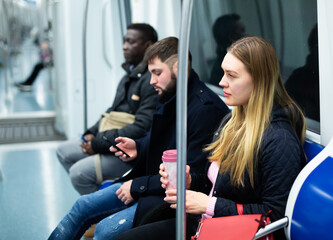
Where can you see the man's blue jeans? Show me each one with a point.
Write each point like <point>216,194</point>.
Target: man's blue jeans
<point>92,208</point>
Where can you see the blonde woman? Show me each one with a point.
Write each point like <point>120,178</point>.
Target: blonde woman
<point>257,153</point>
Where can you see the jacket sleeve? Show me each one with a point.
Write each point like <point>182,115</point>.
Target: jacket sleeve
<point>280,163</point>
<point>146,185</point>
<point>93,130</point>
<point>143,119</point>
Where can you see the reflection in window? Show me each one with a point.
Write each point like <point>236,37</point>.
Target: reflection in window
<point>303,83</point>
<point>286,24</point>
<point>226,29</point>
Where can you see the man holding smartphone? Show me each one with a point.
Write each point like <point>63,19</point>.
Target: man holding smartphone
<point>88,160</point>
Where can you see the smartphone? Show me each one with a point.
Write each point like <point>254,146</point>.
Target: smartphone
<point>84,139</point>
<point>119,149</point>
<point>114,145</point>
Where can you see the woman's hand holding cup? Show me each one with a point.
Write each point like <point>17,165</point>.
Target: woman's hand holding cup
<point>164,176</point>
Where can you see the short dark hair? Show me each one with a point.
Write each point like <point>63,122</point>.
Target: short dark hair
<point>163,49</point>
<point>148,32</point>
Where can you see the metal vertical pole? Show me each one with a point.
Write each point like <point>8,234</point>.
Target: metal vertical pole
<point>182,116</point>
<point>125,15</point>
<point>5,44</point>
<point>84,65</point>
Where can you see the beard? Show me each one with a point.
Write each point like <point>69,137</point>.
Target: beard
<point>170,90</point>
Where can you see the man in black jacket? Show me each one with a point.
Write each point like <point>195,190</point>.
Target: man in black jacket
<point>89,161</point>
<point>140,191</point>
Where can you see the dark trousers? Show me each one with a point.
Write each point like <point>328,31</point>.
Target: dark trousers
<point>161,230</point>
<point>38,67</point>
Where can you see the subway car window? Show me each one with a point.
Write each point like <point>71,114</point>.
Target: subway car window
<point>291,26</point>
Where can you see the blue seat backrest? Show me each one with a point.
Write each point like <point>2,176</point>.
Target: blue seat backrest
<point>310,202</point>
<point>312,149</point>
<point>313,209</point>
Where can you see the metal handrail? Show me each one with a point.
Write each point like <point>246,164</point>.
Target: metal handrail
<point>272,227</point>
<point>6,49</point>
<point>181,118</point>
<point>106,59</point>
<point>84,66</point>
<point>125,15</point>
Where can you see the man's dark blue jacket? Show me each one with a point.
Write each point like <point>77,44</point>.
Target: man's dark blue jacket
<point>205,112</point>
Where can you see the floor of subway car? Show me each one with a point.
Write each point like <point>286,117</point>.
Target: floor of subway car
<point>35,191</point>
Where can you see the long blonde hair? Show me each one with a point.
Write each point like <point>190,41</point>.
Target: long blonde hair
<point>237,146</point>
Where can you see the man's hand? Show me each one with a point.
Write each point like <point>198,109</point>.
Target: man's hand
<point>124,192</point>
<point>89,136</point>
<point>127,145</point>
<point>86,146</point>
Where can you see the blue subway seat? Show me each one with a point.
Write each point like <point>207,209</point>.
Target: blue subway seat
<point>309,208</point>
<point>312,149</point>
<point>313,209</point>
<point>106,184</point>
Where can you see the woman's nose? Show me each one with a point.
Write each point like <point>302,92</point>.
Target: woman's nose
<point>223,82</point>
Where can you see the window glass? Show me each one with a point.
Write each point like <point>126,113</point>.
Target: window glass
<point>291,27</point>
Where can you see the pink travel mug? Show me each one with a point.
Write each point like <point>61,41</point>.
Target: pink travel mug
<point>169,159</point>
